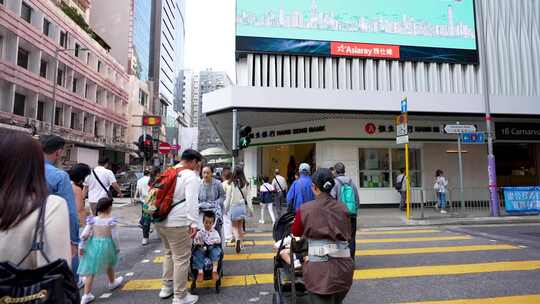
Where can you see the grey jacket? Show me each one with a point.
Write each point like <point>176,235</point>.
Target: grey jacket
<point>340,180</point>
<point>212,197</point>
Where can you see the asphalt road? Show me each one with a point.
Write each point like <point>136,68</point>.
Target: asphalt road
<point>475,264</point>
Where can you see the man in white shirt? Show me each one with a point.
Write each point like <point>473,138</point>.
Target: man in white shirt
<point>280,185</point>
<point>99,183</point>
<point>401,187</point>
<point>177,230</point>
<point>140,195</point>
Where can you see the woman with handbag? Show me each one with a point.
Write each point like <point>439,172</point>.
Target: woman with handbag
<point>37,222</point>
<point>238,197</point>
<point>440,186</point>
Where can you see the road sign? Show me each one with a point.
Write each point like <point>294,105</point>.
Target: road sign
<point>459,129</point>
<point>404,106</point>
<point>402,130</point>
<point>175,147</point>
<point>473,138</point>
<point>164,148</point>
<point>400,140</point>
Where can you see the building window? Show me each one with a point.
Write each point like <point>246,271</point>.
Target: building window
<point>60,77</point>
<point>74,87</point>
<point>58,116</point>
<point>43,69</point>
<point>41,111</point>
<point>87,57</point>
<point>143,97</point>
<point>22,58</point>
<point>74,121</point>
<point>46,27</point>
<point>26,12</point>
<point>379,168</point>
<point>77,48</point>
<point>18,105</point>
<point>99,66</point>
<point>86,91</point>
<point>63,39</point>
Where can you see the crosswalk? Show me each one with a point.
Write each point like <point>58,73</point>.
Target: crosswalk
<point>410,260</point>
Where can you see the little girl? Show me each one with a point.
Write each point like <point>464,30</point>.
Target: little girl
<point>99,248</point>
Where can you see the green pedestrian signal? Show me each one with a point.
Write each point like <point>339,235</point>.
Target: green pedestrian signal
<point>245,137</point>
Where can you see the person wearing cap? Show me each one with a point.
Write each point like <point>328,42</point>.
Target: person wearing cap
<point>300,191</point>
<point>280,185</point>
<point>143,186</point>
<point>59,183</point>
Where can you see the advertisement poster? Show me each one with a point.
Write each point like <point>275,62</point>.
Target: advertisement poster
<point>522,199</point>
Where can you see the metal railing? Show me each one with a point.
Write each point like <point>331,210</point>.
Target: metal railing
<point>473,202</point>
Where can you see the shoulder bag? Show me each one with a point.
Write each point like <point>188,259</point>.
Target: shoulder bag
<point>109,193</point>
<point>53,283</point>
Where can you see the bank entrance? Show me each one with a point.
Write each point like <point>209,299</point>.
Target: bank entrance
<point>286,158</point>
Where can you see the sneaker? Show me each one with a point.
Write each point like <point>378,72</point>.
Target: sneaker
<point>165,292</point>
<point>188,299</point>
<point>87,298</point>
<point>80,284</point>
<point>443,212</point>
<point>144,242</point>
<point>117,283</point>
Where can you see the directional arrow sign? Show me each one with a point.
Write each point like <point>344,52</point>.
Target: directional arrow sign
<point>458,129</point>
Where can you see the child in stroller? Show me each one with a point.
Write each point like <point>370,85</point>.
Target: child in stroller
<point>207,253</point>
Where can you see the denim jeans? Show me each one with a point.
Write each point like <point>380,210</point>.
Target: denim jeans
<point>200,254</point>
<point>442,199</point>
<point>145,224</point>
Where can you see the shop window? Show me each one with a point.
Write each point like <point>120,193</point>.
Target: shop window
<point>374,168</point>
<point>43,69</point>
<point>41,111</point>
<point>379,168</point>
<point>398,162</point>
<point>18,106</point>
<point>63,39</point>
<point>26,12</point>
<point>22,58</point>
<point>46,27</point>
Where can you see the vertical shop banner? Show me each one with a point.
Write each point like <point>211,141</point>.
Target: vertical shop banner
<point>522,199</point>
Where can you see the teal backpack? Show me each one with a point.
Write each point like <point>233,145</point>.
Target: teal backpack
<point>347,197</point>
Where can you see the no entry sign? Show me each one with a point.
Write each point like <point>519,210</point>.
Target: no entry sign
<point>164,148</point>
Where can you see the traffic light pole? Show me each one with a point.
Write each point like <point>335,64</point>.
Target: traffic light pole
<point>234,136</point>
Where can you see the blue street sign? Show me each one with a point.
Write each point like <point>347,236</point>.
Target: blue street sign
<point>404,106</point>
<point>473,138</point>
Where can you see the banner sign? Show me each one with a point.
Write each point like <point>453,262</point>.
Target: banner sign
<point>522,199</point>
<point>419,30</point>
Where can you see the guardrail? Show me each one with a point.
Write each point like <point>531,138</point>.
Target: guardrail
<point>473,202</point>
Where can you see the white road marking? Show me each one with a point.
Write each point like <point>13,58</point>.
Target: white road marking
<point>145,261</point>
<point>264,293</point>
<point>523,247</point>
<point>129,274</point>
<point>157,251</point>
<point>105,296</point>
<point>492,240</point>
<point>253,300</point>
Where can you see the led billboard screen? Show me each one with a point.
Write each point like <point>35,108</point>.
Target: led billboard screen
<point>427,30</point>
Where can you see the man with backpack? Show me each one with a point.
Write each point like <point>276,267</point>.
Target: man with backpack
<point>280,186</point>
<point>401,187</point>
<point>345,191</point>
<point>173,205</point>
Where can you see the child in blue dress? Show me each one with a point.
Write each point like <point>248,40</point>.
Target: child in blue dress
<point>99,249</point>
<point>207,244</point>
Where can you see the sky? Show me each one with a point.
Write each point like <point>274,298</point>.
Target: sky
<point>210,42</point>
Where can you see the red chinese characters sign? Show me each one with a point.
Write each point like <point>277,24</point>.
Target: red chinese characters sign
<point>365,50</point>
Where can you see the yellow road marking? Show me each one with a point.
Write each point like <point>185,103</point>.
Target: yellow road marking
<point>525,299</point>
<point>390,240</point>
<point>366,233</point>
<point>375,252</point>
<point>363,274</point>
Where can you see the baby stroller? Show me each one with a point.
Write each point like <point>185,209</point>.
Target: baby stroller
<point>288,281</point>
<point>208,263</point>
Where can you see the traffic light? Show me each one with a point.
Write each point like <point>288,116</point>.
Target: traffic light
<point>245,137</point>
<point>146,146</point>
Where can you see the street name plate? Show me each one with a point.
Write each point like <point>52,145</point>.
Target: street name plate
<point>459,129</point>
<point>402,140</point>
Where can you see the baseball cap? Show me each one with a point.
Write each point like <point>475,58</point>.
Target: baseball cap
<point>304,167</point>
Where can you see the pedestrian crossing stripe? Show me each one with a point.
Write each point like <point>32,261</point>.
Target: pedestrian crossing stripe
<point>523,299</point>
<point>386,240</point>
<point>362,233</point>
<point>361,274</point>
<point>375,252</point>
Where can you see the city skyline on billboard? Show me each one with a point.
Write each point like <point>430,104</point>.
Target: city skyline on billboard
<point>436,30</point>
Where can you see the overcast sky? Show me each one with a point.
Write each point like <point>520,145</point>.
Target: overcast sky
<point>210,34</point>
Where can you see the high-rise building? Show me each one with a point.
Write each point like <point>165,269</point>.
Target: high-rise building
<point>89,104</point>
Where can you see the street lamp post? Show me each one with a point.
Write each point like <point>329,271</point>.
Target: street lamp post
<point>56,52</point>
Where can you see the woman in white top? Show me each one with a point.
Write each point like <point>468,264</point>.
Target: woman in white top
<point>23,192</point>
<point>237,198</point>
<point>227,224</point>
<point>266,191</point>
<point>440,186</point>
